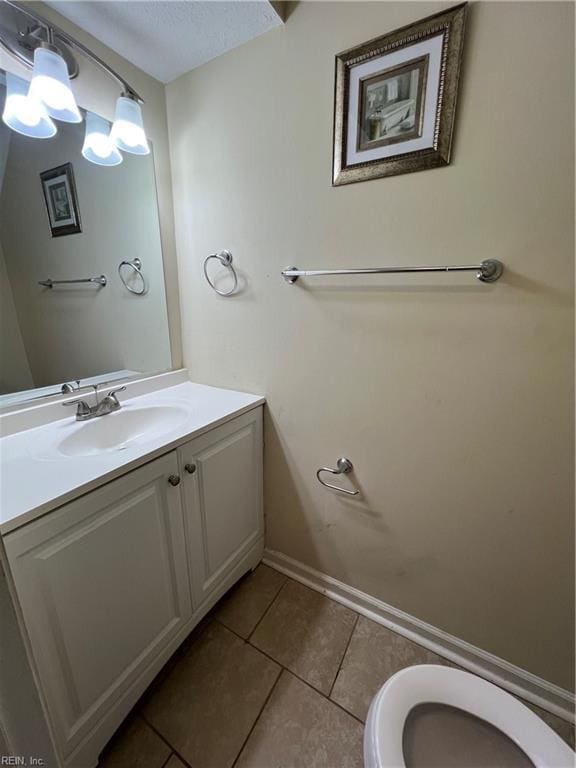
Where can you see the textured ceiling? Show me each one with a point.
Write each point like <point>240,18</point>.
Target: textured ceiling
<point>168,38</point>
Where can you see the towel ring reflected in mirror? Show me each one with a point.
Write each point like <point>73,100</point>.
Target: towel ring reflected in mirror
<point>136,266</point>
<point>225,258</point>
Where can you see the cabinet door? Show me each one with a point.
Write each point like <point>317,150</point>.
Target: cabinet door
<point>103,587</point>
<point>223,499</point>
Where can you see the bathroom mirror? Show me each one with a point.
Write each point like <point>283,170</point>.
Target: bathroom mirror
<point>65,218</point>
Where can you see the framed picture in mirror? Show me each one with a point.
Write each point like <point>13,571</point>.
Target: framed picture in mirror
<point>61,200</point>
<point>395,100</point>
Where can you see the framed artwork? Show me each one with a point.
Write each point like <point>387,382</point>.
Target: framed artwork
<point>395,100</point>
<point>61,201</point>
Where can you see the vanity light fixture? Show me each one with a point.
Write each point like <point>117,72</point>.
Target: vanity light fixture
<point>24,114</point>
<point>51,84</point>
<point>99,146</point>
<point>128,128</point>
<point>36,42</point>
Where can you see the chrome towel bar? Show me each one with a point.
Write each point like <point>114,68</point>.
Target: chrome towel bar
<point>101,280</point>
<point>488,271</point>
<point>343,467</point>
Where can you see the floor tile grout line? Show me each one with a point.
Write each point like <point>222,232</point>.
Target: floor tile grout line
<point>272,600</point>
<point>343,655</point>
<point>346,711</point>
<point>296,675</point>
<point>165,740</point>
<point>266,700</point>
<point>276,596</point>
<point>306,682</point>
<point>164,764</point>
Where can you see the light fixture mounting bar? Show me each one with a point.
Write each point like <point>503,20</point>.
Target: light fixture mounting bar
<point>56,31</point>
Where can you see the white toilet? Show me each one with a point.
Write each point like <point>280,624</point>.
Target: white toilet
<point>434,684</point>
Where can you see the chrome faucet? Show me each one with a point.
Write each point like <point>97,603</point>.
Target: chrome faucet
<point>70,386</point>
<point>108,404</point>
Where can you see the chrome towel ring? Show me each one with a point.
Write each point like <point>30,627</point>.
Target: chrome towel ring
<point>225,258</point>
<point>343,467</point>
<point>136,265</point>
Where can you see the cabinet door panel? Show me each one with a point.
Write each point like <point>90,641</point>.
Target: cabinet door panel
<point>229,509</point>
<point>103,585</point>
<point>223,499</point>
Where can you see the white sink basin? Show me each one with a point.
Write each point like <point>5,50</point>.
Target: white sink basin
<point>120,430</point>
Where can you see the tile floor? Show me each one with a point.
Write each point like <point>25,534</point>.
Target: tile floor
<point>278,676</point>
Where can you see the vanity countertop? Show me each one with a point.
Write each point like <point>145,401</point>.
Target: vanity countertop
<point>36,477</point>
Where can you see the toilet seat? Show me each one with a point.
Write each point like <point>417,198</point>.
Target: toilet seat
<point>431,683</point>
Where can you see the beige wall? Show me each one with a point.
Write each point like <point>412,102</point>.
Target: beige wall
<point>97,92</point>
<point>453,399</point>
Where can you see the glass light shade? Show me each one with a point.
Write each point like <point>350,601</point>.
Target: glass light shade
<point>98,146</point>
<point>128,129</point>
<point>24,114</point>
<point>51,85</point>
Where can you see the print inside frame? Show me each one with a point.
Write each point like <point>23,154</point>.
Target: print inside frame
<point>395,100</point>
<point>391,104</point>
<point>59,190</point>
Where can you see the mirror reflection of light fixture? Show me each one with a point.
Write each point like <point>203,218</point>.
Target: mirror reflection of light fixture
<point>51,85</point>
<point>98,146</point>
<point>24,114</point>
<point>50,94</point>
<point>128,128</point>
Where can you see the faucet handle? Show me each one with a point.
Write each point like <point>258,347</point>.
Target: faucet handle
<point>68,387</point>
<point>112,402</point>
<point>83,407</point>
<point>112,392</point>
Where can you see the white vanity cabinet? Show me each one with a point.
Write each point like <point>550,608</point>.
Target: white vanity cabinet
<point>111,583</point>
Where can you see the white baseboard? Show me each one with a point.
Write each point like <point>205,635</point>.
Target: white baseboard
<point>508,676</point>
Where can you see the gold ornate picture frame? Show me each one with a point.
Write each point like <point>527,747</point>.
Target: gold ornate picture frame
<point>395,100</point>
